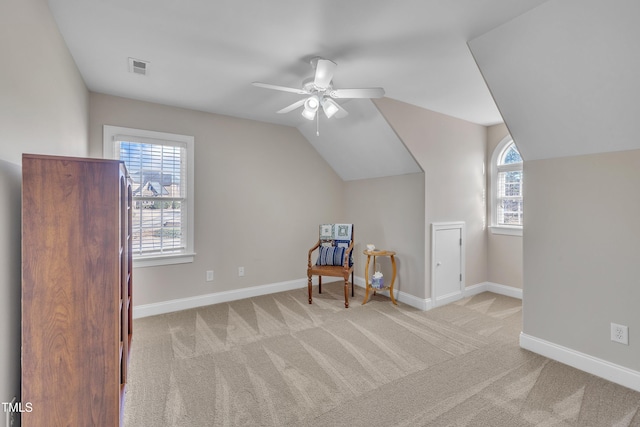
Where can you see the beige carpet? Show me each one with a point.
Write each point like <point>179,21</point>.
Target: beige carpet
<point>277,361</point>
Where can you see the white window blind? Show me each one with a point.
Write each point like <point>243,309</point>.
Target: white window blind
<point>159,188</point>
<point>160,166</point>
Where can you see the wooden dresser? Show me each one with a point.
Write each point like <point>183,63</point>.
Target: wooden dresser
<point>76,290</point>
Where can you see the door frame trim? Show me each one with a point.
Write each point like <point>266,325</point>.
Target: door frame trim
<point>435,227</point>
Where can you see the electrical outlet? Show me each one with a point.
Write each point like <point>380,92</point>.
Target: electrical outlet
<point>240,271</point>
<point>620,333</point>
<point>209,275</point>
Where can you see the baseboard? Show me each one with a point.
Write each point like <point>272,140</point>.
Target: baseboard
<point>427,304</point>
<point>403,297</point>
<point>598,367</point>
<point>449,298</point>
<point>153,309</point>
<point>423,304</point>
<point>496,288</point>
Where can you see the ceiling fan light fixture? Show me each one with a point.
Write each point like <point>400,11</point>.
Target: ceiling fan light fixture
<point>308,114</point>
<point>311,103</point>
<point>329,107</point>
<point>310,107</point>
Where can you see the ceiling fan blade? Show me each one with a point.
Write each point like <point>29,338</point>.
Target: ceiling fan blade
<point>292,107</point>
<point>372,92</point>
<point>324,73</point>
<point>281,88</point>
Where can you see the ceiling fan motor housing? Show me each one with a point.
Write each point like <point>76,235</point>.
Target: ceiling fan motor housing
<point>310,86</point>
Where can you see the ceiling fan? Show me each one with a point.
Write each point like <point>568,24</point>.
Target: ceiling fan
<point>320,93</point>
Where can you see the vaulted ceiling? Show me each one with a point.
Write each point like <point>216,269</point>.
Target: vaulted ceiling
<point>565,76</point>
<point>204,54</point>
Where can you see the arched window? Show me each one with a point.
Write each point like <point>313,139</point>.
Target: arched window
<point>506,188</point>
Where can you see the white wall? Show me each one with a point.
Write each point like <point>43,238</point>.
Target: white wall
<point>43,109</point>
<point>261,191</point>
<point>452,154</point>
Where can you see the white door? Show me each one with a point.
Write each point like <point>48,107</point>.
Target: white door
<point>447,262</point>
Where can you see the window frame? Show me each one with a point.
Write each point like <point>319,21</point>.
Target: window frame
<point>161,138</point>
<point>511,230</point>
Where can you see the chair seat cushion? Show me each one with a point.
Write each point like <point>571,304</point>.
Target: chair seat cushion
<point>330,255</point>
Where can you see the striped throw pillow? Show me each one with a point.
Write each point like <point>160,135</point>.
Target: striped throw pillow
<point>330,255</point>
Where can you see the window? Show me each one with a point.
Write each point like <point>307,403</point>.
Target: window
<point>161,169</point>
<point>506,186</point>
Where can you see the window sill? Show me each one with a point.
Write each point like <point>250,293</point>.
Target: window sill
<point>153,261</point>
<point>507,231</point>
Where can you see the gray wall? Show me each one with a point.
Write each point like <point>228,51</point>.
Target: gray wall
<point>268,164</point>
<point>565,76</point>
<point>43,109</point>
<point>582,254</point>
<point>10,180</point>
<point>452,154</point>
<point>260,192</point>
<point>389,213</point>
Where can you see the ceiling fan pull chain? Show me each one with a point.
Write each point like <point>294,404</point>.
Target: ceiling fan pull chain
<point>317,124</point>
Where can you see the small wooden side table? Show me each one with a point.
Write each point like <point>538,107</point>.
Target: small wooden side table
<point>376,253</point>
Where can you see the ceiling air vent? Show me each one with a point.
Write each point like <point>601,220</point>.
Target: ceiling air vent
<point>138,66</point>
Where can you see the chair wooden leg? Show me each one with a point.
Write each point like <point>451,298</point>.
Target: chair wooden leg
<point>309,287</point>
<point>319,284</point>
<point>346,294</point>
<point>352,294</point>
